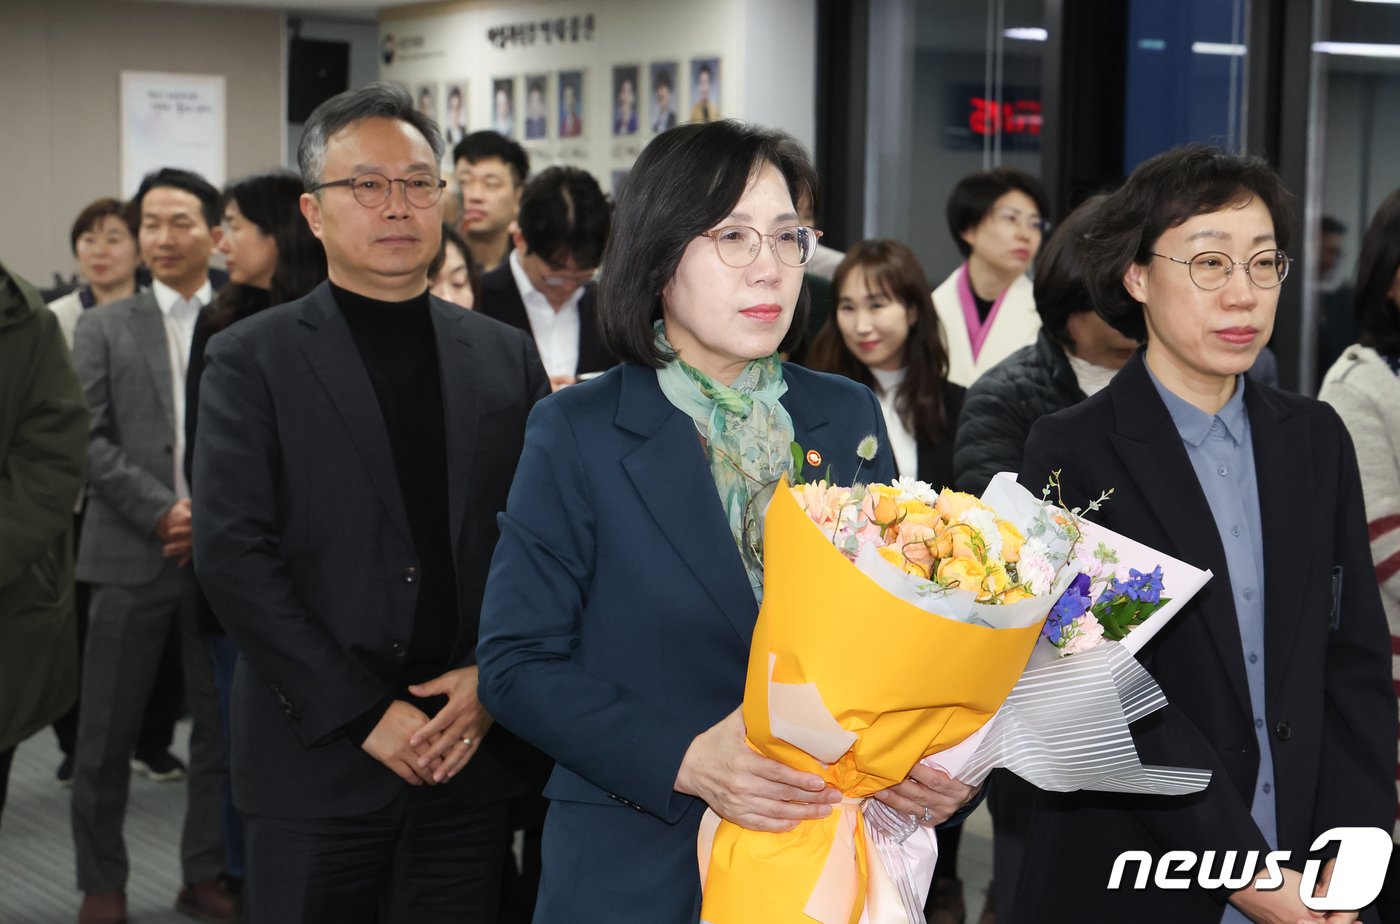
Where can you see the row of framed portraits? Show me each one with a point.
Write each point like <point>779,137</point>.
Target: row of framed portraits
<point>540,106</point>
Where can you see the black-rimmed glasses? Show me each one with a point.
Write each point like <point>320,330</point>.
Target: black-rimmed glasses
<point>372,189</point>
<point>1212,270</point>
<point>737,245</point>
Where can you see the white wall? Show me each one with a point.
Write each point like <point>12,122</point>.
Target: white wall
<point>60,67</point>
<point>767,72</point>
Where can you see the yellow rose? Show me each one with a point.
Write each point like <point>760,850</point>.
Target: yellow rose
<point>1015,594</point>
<point>963,573</point>
<point>881,507</point>
<point>892,555</point>
<point>953,504</point>
<point>963,540</point>
<point>1011,539</point>
<point>995,581</point>
<point>920,513</point>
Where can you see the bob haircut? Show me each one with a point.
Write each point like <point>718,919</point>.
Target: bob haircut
<point>972,199</point>
<point>891,269</point>
<point>1163,192</point>
<point>94,213</point>
<point>684,183</point>
<point>1377,315</point>
<point>1060,270</point>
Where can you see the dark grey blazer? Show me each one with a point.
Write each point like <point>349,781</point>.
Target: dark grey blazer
<point>123,363</point>
<point>303,548</point>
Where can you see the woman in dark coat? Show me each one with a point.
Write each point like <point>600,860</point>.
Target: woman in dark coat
<point>1277,673</point>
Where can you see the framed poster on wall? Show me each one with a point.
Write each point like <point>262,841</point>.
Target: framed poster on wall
<point>172,120</point>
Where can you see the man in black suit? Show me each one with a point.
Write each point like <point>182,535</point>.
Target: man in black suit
<point>353,451</point>
<point>546,285</point>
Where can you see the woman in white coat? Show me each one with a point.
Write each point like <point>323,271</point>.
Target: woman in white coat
<point>997,219</point>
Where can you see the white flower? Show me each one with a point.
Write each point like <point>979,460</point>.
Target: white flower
<point>1035,571</point>
<point>910,488</point>
<point>867,447</point>
<point>985,522</point>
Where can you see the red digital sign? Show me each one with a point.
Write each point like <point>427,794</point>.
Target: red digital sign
<point>1016,117</point>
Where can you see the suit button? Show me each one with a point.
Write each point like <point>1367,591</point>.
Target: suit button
<point>398,649</point>
<point>410,574</point>
<point>1283,731</point>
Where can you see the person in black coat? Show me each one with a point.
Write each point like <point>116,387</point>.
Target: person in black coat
<point>354,449</point>
<point>885,335</point>
<point>1074,356</point>
<point>1277,673</point>
<point>545,286</point>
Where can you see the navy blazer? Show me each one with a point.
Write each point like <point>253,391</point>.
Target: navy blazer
<point>500,299</point>
<point>1329,703</point>
<point>303,548</point>
<point>617,623</point>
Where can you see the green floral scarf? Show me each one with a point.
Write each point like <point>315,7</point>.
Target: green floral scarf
<point>748,438</point>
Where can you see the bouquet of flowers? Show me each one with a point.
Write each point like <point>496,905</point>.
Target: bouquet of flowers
<point>896,621</point>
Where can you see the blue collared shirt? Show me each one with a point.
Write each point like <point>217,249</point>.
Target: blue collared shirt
<point>1221,451</point>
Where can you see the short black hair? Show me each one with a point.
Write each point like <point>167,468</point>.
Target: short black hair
<point>210,202</point>
<point>972,199</point>
<point>563,213</point>
<point>379,100</point>
<point>1060,269</point>
<point>1377,315</point>
<point>1331,225</point>
<point>685,181</point>
<point>94,212</point>
<point>662,79</point>
<point>1163,192</point>
<point>484,145</point>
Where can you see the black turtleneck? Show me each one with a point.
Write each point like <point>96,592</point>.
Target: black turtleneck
<point>399,349</point>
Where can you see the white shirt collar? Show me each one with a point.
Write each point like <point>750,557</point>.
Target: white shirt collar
<point>535,300</point>
<point>167,298</point>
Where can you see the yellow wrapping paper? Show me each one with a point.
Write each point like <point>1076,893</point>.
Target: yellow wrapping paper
<point>901,683</point>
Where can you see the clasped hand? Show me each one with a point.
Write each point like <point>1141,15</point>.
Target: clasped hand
<point>1284,906</point>
<point>754,792</point>
<point>428,751</point>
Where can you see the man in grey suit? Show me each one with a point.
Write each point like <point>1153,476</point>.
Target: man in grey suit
<point>131,358</point>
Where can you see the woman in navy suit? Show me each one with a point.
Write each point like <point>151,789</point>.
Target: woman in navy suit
<point>1278,672</point>
<point>623,594</point>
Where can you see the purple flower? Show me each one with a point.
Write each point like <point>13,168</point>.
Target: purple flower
<point>1073,603</point>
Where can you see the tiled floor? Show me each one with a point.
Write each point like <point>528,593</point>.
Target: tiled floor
<point>36,845</point>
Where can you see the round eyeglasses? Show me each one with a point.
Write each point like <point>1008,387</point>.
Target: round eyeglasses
<point>737,245</point>
<point>1211,270</point>
<point>373,189</point>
